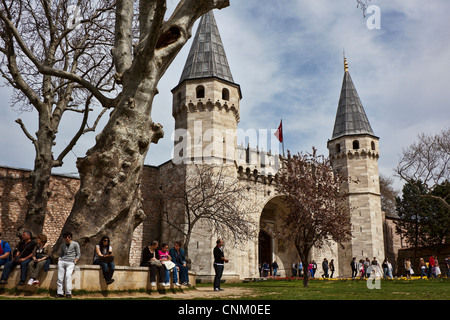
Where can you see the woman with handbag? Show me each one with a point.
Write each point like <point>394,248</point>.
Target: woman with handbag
<point>150,258</point>
<point>104,257</point>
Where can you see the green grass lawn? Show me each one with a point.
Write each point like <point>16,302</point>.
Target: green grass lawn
<point>319,289</point>
<point>397,289</point>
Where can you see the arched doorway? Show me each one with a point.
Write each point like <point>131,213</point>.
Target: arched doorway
<point>270,248</point>
<point>265,247</point>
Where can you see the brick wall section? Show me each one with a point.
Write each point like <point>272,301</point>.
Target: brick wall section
<point>13,189</point>
<point>15,184</point>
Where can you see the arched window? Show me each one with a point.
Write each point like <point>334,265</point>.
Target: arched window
<point>355,145</point>
<point>200,90</point>
<point>338,148</point>
<point>225,94</point>
<point>373,145</point>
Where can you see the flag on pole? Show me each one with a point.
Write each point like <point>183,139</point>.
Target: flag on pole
<point>279,132</point>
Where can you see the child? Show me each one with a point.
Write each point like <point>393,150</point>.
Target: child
<point>164,257</point>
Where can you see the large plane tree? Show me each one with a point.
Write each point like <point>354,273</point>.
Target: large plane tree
<point>143,44</point>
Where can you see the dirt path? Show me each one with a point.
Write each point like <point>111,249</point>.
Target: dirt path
<point>194,293</point>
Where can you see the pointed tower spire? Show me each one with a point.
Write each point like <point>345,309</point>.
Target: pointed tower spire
<point>354,152</point>
<point>207,55</point>
<point>351,118</point>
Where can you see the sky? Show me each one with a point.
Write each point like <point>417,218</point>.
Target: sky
<point>287,57</point>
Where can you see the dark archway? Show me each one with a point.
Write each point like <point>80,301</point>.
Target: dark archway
<point>265,247</point>
<point>270,248</point>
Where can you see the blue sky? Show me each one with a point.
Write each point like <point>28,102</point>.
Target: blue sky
<point>287,57</point>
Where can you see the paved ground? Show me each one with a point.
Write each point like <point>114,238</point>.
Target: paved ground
<point>202,292</point>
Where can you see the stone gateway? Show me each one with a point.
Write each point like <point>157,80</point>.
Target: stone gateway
<point>206,109</point>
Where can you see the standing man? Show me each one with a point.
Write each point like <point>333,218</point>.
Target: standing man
<point>69,254</point>
<point>219,261</point>
<point>354,266</point>
<point>331,268</point>
<point>325,268</point>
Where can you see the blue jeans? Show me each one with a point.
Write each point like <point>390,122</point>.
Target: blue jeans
<point>107,268</point>
<point>184,273</point>
<point>423,272</point>
<point>175,275</point>
<point>11,264</point>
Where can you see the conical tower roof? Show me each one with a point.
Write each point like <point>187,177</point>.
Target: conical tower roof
<point>351,119</point>
<point>207,55</point>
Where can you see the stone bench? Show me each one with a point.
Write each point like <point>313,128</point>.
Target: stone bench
<point>90,278</point>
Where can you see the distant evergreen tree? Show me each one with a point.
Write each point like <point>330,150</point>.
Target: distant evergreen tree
<point>439,221</point>
<point>424,221</point>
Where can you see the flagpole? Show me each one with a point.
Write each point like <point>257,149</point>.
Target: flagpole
<point>279,135</point>
<point>282,140</point>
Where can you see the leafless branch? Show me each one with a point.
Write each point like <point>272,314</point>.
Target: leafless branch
<point>427,160</point>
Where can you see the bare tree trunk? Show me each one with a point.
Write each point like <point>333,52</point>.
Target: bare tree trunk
<point>304,254</point>
<point>40,189</point>
<point>109,199</point>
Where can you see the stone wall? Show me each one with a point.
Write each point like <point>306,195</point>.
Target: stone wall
<point>90,278</point>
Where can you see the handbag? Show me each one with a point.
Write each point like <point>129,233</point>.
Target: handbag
<point>169,265</point>
<point>155,263</point>
<point>106,259</point>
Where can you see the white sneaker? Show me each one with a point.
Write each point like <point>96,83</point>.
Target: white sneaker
<point>165,284</point>
<point>35,282</point>
<point>30,282</point>
<point>177,284</point>
<point>153,284</point>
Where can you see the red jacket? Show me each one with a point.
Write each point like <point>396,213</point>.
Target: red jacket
<point>431,261</point>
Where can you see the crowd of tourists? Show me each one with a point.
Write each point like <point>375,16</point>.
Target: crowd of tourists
<point>34,255</point>
<point>429,269</point>
<point>298,269</point>
<point>362,268</point>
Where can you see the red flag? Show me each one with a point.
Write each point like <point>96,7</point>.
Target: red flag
<point>279,132</point>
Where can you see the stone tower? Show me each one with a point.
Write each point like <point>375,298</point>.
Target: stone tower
<point>206,100</point>
<point>354,152</point>
<point>206,112</point>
